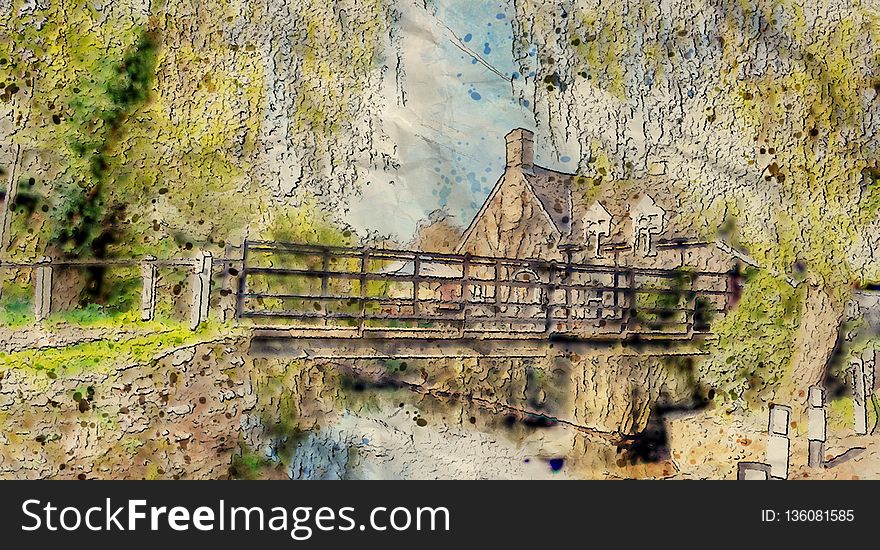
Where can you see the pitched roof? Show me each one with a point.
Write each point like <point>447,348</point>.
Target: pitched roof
<point>553,190</point>
<point>490,199</point>
<point>568,197</point>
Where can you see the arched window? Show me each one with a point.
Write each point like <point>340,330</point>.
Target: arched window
<point>648,220</point>
<point>526,294</point>
<point>597,226</point>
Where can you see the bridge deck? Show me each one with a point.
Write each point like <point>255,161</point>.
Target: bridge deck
<point>312,344</point>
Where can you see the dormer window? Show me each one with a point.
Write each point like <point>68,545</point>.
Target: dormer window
<point>648,220</point>
<point>597,226</point>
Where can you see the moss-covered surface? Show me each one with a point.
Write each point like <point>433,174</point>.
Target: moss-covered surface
<point>139,344</point>
<point>755,341</point>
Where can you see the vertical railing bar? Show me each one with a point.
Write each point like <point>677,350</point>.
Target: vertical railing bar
<point>325,279</point>
<point>548,302</point>
<point>325,268</point>
<point>465,291</point>
<point>242,281</point>
<point>568,305</point>
<point>630,298</point>
<point>497,288</point>
<point>363,291</point>
<point>417,261</point>
<point>616,285</point>
<point>691,309</point>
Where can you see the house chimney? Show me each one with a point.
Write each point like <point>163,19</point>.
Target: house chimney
<point>521,149</point>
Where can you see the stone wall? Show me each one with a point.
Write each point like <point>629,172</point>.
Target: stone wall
<point>176,417</point>
<point>200,411</point>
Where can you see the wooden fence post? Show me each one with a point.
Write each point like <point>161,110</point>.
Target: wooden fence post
<point>43,289</point>
<point>752,471</point>
<point>859,395</point>
<point>816,424</point>
<point>149,282</point>
<point>201,289</point>
<point>778,445</point>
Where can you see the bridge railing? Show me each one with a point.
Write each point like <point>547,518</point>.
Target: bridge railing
<point>362,289</point>
<point>312,286</point>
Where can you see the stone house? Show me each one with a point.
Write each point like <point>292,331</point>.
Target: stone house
<point>542,214</point>
<point>535,212</point>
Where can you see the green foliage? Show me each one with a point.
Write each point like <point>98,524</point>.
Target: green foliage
<point>802,113</point>
<point>131,87</point>
<point>84,86</point>
<point>703,314</point>
<point>755,340</point>
<point>869,205</point>
<point>280,415</point>
<point>28,197</point>
<point>307,224</point>
<point>107,353</point>
<point>249,466</point>
<point>85,224</point>
<point>88,315</point>
<point>665,303</point>
<point>794,93</point>
<point>16,305</point>
<point>148,140</point>
<point>586,189</point>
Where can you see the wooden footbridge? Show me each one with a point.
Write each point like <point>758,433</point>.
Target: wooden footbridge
<point>401,302</point>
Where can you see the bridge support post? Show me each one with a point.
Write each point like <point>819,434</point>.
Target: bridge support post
<point>227,305</point>
<point>629,301</point>
<point>149,281</point>
<point>242,281</point>
<point>816,423</point>
<point>43,289</point>
<point>778,446</point>
<point>201,289</point>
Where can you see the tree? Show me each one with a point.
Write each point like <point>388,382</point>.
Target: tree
<point>764,112</point>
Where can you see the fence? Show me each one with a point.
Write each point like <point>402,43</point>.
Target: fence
<point>363,288</point>
<point>200,269</point>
